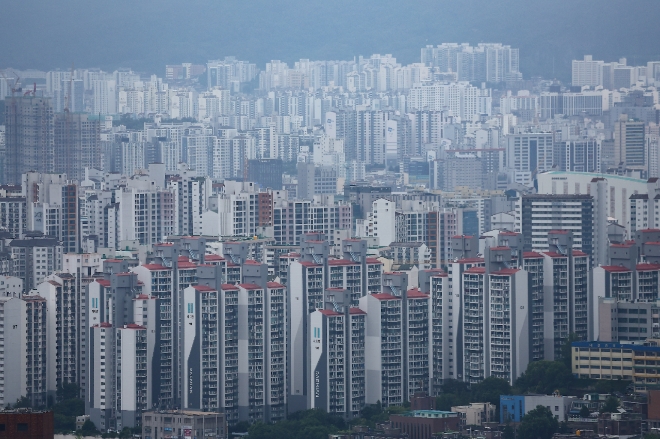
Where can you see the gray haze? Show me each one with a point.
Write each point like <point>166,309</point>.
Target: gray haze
<point>145,35</point>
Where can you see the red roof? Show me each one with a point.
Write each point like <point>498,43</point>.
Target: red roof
<point>182,259</point>
<point>155,267</point>
<point>531,255</point>
<point>500,248</point>
<point>309,264</point>
<point>650,230</point>
<point>506,233</point>
<point>203,288</point>
<point>251,262</point>
<point>416,294</point>
<point>142,297</point>
<point>274,285</point>
<point>579,253</point>
<point>112,260</point>
<point>648,267</point>
<point>476,270</point>
<point>506,271</point>
<point>134,326</point>
<point>213,258</point>
<point>626,244</point>
<point>356,311</point>
<point>373,261</point>
<point>105,325</point>
<point>52,282</point>
<point>554,254</point>
<point>385,296</point>
<point>615,268</point>
<point>652,243</point>
<point>103,282</point>
<point>228,287</point>
<point>328,312</point>
<point>186,265</point>
<point>250,286</point>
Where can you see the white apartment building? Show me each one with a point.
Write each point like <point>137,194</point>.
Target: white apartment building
<point>460,98</point>
<point>384,349</point>
<point>23,340</point>
<point>529,154</point>
<point>587,72</point>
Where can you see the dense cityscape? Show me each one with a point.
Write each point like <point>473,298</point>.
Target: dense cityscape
<point>446,249</point>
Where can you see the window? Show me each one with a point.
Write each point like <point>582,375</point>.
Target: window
<point>21,426</point>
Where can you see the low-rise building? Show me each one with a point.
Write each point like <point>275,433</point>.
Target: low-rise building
<point>514,407</point>
<point>475,413</point>
<point>424,424</point>
<point>26,424</point>
<point>185,424</point>
<point>609,360</point>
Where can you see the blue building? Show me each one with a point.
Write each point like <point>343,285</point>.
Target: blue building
<point>512,408</point>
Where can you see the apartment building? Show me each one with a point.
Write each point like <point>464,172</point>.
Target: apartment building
<point>24,355</point>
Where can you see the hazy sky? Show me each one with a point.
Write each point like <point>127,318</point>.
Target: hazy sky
<point>147,34</point>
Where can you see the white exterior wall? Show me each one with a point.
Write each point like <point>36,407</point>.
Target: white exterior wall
<point>619,189</point>
<point>372,349</point>
<point>14,354</point>
<point>384,214</point>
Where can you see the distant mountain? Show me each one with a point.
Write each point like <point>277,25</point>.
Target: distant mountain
<point>147,34</point>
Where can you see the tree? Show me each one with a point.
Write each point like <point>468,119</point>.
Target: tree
<point>544,377</point>
<point>584,412</point>
<point>89,429</point>
<point>610,406</point>
<point>23,403</point>
<point>455,386</point>
<point>68,391</point>
<point>566,351</point>
<point>489,390</point>
<point>538,424</point>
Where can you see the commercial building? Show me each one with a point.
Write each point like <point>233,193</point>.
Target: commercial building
<point>425,424</point>
<point>316,180</point>
<point>267,173</point>
<point>611,360</point>
<point>186,424</point>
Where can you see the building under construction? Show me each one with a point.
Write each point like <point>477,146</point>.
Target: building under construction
<point>29,136</point>
<point>77,144</point>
